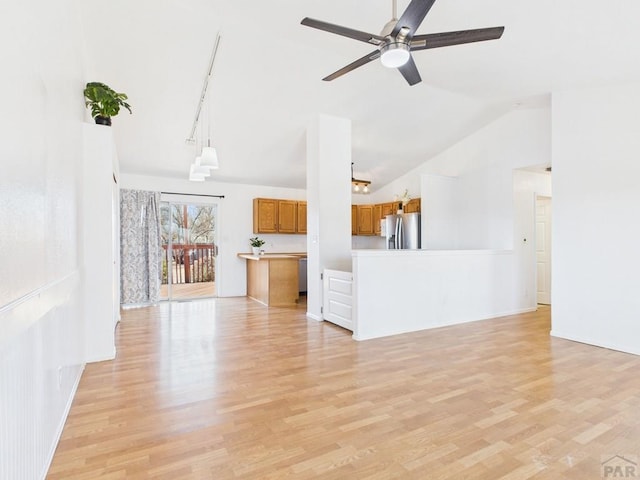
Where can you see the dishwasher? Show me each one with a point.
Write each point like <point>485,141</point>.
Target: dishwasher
<point>302,276</point>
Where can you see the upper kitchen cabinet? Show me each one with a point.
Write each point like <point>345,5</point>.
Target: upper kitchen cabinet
<point>287,216</point>
<point>272,215</point>
<point>302,217</point>
<point>413,206</point>
<point>265,215</point>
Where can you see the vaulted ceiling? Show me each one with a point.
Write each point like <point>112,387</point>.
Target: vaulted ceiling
<point>266,82</point>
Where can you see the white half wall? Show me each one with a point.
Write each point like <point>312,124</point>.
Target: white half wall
<point>235,222</point>
<point>596,207</point>
<point>400,291</point>
<point>41,323</point>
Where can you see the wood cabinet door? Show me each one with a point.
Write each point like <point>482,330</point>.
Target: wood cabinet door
<point>265,215</point>
<point>365,219</point>
<point>302,217</point>
<point>389,209</point>
<point>354,220</point>
<point>377,216</point>
<point>287,213</point>
<point>413,206</point>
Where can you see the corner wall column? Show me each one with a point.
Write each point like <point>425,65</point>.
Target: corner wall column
<point>328,203</point>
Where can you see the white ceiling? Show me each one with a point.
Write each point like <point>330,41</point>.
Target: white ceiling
<point>266,82</point>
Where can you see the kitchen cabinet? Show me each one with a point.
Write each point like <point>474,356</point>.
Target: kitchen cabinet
<point>377,216</point>
<point>389,208</point>
<point>413,206</point>
<point>265,215</point>
<point>302,218</point>
<point>365,219</point>
<point>273,215</point>
<point>272,279</point>
<point>287,216</point>
<point>354,220</point>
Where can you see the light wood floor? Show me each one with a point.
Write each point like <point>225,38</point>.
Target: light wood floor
<point>180,291</point>
<point>229,389</point>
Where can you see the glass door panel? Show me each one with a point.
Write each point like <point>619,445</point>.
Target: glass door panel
<point>189,251</point>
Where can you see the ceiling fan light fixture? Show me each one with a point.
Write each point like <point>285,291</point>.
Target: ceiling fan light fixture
<point>394,54</point>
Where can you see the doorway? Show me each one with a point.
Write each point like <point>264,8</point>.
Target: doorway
<point>543,250</point>
<point>189,250</point>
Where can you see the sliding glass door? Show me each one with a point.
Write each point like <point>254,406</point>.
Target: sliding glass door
<point>189,250</point>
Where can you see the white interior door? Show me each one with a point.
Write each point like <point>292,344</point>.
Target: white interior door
<point>338,293</point>
<point>543,249</point>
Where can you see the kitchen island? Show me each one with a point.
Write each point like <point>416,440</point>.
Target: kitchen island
<point>272,278</point>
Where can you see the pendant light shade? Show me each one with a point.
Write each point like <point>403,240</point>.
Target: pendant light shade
<point>209,158</point>
<point>194,176</point>
<point>199,169</point>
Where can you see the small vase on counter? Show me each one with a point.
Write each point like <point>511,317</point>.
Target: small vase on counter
<point>255,250</point>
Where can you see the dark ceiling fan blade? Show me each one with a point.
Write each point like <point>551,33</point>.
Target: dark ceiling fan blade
<point>436,40</point>
<point>344,31</point>
<point>352,66</point>
<point>410,72</point>
<point>413,17</point>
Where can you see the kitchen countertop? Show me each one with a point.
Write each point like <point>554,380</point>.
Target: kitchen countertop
<point>270,256</point>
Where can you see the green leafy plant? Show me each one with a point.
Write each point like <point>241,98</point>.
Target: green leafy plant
<point>256,242</point>
<point>103,100</point>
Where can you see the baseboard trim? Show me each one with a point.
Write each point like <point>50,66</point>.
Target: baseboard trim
<point>312,316</point>
<point>594,343</point>
<point>63,420</point>
<point>102,358</point>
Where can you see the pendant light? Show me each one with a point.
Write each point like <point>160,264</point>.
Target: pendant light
<point>209,154</point>
<point>208,158</point>
<point>359,186</point>
<point>194,176</point>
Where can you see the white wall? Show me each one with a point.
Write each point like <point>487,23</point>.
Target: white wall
<point>596,207</point>
<point>235,222</point>
<point>41,334</point>
<point>482,194</point>
<point>439,212</point>
<point>477,203</point>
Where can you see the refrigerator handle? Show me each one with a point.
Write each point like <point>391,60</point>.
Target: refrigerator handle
<point>399,234</point>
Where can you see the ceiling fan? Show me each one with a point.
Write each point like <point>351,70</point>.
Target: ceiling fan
<point>398,39</point>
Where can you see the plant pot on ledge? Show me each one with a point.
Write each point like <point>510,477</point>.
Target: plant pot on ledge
<point>103,120</point>
<point>104,102</point>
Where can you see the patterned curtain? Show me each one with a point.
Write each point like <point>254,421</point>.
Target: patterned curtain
<point>140,246</point>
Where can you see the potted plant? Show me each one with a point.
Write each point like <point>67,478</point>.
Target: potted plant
<point>104,102</point>
<point>256,243</point>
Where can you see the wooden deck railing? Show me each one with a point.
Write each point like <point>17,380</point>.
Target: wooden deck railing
<point>190,263</point>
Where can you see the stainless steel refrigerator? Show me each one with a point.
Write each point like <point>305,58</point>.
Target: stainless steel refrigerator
<point>403,231</point>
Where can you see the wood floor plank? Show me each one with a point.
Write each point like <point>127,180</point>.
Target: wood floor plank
<point>229,389</point>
